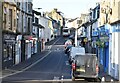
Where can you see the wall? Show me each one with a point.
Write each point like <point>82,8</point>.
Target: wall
<point>114,52</point>
<point>9,6</point>
<point>115,5</point>
<point>46,32</point>
<point>1,39</point>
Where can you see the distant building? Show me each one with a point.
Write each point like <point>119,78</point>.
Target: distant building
<point>57,20</point>
<point>37,32</point>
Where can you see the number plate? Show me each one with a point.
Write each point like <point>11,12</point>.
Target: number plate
<point>81,70</point>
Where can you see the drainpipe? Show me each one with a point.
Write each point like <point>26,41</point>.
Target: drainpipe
<point>91,37</point>
<point>75,37</point>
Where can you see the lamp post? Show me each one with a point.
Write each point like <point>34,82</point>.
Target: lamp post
<point>79,21</point>
<point>75,37</point>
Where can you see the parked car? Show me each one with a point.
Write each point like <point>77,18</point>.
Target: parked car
<point>74,51</point>
<point>67,49</point>
<point>86,67</point>
<point>68,42</point>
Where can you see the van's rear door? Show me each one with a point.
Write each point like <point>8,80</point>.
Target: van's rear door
<point>85,65</point>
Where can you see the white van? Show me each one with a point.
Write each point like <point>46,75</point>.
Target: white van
<point>74,51</point>
<point>66,32</point>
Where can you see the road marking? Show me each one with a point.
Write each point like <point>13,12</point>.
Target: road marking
<point>58,49</point>
<point>28,66</point>
<point>53,81</point>
<point>67,63</point>
<point>56,41</point>
<point>33,63</point>
<point>56,78</point>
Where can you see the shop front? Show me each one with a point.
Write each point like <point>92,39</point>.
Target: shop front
<point>33,45</point>
<point>18,49</point>
<point>94,40</point>
<point>8,50</point>
<point>103,44</point>
<point>28,47</point>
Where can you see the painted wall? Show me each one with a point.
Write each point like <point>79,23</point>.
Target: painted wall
<point>46,34</point>
<point>115,54</point>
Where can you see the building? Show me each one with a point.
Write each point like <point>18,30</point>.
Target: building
<point>84,31</point>
<point>1,27</point>
<point>58,21</point>
<point>37,32</point>
<point>16,31</point>
<point>110,21</point>
<point>24,30</point>
<point>8,33</point>
<point>46,34</point>
<point>114,20</point>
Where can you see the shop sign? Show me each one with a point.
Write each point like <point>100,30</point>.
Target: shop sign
<point>9,37</point>
<point>104,31</point>
<point>105,39</point>
<point>95,33</point>
<point>116,30</point>
<point>28,37</point>
<point>94,38</point>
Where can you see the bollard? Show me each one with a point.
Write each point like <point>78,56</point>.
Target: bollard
<point>111,80</point>
<point>62,79</point>
<point>103,79</point>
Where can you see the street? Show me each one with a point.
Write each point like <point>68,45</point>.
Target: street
<point>44,41</point>
<point>54,66</point>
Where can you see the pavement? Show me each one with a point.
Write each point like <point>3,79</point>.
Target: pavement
<point>21,66</point>
<point>104,75</point>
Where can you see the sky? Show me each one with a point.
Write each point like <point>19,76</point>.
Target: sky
<point>70,8</point>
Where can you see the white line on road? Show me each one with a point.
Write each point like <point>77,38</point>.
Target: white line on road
<point>56,78</point>
<point>56,41</point>
<point>31,64</point>
<point>28,66</point>
<point>67,63</point>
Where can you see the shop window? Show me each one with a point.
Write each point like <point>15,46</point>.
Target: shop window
<point>4,20</point>
<point>7,52</point>
<point>10,19</point>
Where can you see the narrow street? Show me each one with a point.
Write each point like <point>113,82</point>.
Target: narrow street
<point>54,66</point>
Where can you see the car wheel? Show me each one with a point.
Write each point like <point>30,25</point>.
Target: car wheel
<point>97,80</point>
<point>73,78</point>
<point>90,80</point>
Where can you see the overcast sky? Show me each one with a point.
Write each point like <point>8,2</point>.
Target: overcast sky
<point>70,8</point>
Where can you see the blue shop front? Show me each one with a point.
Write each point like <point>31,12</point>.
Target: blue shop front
<point>103,47</point>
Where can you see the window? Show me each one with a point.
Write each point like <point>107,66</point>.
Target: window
<point>29,8</point>
<point>28,24</point>
<point>18,4</point>
<point>17,24</point>
<point>8,52</point>
<point>14,22</point>
<point>98,13</point>
<point>36,20</point>
<point>22,23</point>
<point>10,19</point>
<point>4,21</point>
<point>114,3</point>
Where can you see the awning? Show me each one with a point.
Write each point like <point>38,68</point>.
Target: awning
<point>28,37</point>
